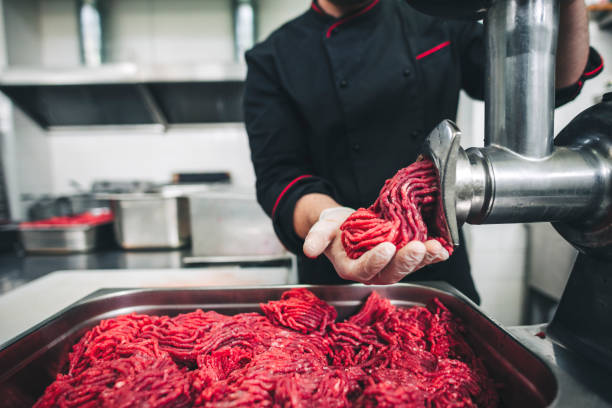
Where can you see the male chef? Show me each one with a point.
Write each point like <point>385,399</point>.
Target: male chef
<point>340,98</point>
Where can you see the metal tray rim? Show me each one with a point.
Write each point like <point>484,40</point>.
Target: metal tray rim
<point>439,287</point>
<point>77,227</point>
<point>103,293</point>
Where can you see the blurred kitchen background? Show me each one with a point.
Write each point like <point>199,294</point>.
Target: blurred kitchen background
<point>139,101</point>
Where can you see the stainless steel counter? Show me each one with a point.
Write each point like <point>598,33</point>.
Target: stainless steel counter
<point>32,361</point>
<point>38,286</point>
<point>16,270</point>
<point>581,383</point>
<point>36,301</point>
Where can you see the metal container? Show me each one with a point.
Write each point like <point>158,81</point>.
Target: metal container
<point>231,224</point>
<point>183,189</point>
<point>81,238</point>
<point>31,361</point>
<point>151,220</point>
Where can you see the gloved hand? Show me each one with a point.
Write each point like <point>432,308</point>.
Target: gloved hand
<point>381,265</point>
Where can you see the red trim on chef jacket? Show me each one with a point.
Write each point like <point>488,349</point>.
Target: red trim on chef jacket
<point>434,49</point>
<point>595,71</point>
<point>316,8</point>
<point>280,196</point>
<point>580,84</point>
<point>352,16</point>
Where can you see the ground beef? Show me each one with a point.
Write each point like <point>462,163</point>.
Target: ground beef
<point>295,355</point>
<point>407,209</point>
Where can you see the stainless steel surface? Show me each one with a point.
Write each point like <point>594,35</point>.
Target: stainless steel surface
<point>196,72</point>
<point>33,359</point>
<point>474,187</point>
<point>20,269</point>
<point>65,240</point>
<point>144,221</point>
<point>245,27</point>
<point>236,259</point>
<point>45,296</point>
<point>152,106</point>
<point>520,90</point>
<point>127,95</point>
<point>111,186</point>
<point>495,185</point>
<point>190,102</point>
<point>91,32</point>
<point>186,189</point>
<point>231,224</point>
<point>105,129</point>
<point>563,186</point>
<point>443,148</point>
<point>591,131</point>
<point>580,383</point>
<point>81,105</point>
<point>572,187</point>
<point>518,176</point>
<point>123,73</point>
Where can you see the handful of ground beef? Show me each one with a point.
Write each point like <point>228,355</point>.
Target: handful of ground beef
<point>407,209</point>
<point>295,355</point>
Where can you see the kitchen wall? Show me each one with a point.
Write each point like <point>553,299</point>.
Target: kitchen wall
<point>160,31</point>
<point>187,31</point>
<point>151,156</point>
<point>24,145</point>
<point>154,31</point>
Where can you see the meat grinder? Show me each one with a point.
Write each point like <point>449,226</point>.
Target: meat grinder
<point>523,174</point>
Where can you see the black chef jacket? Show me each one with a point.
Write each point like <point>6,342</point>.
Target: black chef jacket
<point>337,106</point>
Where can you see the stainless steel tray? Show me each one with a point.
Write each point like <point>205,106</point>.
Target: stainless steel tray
<point>30,362</point>
<point>231,223</point>
<point>244,259</point>
<point>149,221</point>
<point>56,240</point>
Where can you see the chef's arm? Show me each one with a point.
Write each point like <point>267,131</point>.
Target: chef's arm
<point>279,148</point>
<point>308,210</point>
<point>573,43</point>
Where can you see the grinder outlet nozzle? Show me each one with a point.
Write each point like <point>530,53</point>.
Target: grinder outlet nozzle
<point>442,147</point>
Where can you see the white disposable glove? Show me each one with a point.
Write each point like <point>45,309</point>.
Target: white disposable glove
<point>381,265</point>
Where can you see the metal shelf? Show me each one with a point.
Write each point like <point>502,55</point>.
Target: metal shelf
<point>127,95</point>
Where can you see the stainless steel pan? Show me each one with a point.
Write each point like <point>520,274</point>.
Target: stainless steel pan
<point>30,362</point>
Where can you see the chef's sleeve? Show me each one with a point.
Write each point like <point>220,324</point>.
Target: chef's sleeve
<point>472,56</point>
<point>593,67</point>
<point>279,149</point>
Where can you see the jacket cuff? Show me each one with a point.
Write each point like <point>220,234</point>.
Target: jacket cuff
<point>282,215</point>
<point>594,66</point>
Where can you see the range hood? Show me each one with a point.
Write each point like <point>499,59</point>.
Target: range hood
<point>126,94</point>
<point>102,94</point>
